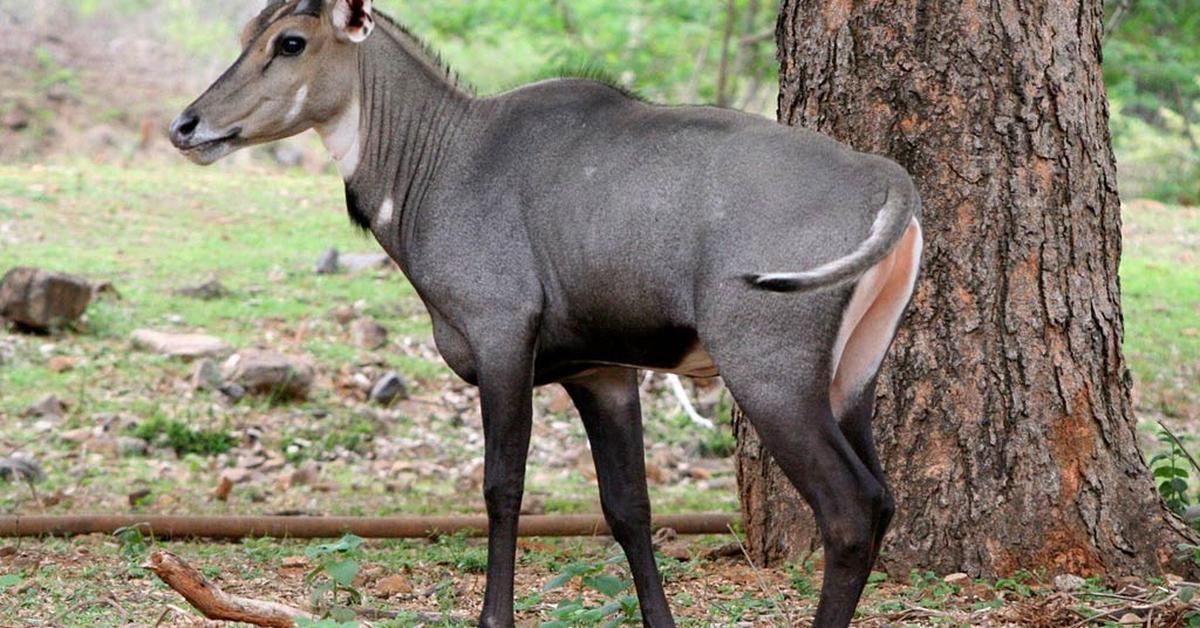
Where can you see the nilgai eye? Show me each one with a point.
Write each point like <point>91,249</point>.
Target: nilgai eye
<point>291,46</point>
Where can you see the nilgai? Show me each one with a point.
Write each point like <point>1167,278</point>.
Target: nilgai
<point>566,232</point>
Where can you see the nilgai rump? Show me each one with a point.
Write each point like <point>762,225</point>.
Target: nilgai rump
<point>566,232</point>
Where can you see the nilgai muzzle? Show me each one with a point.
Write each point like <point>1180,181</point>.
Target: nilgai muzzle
<point>565,232</point>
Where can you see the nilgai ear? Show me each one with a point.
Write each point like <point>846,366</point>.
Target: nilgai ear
<point>352,19</point>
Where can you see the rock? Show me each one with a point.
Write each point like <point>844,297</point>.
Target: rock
<point>136,498</point>
<point>533,505</point>
<point>1068,582</point>
<point>368,334</point>
<point>343,314</point>
<point>238,476</point>
<point>207,291</point>
<point>362,382</point>
<point>206,375</point>
<point>131,446</point>
<point>40,300</point>
<point>233,391</point>
<point>358,262</point>
<point>48,407</point>
<point>663,536</point>
<point>1130,619</point>
<point>187,346</point>
<point>957,578</point>
<point>262,372</point>
<point>678,550</point>
<point>327,264</point>
<point>20,467</point>
<point>389,388</point>
<point>655,474</point>
<point>61,364</point>
<point>102,289</point>
<point>393,585</point>
<point>295,562</point>
<point>222,489</point>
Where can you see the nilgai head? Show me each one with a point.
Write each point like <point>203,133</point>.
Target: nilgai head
<point>297,71</point>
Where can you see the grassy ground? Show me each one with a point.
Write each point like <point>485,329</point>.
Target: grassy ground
<point>150,231</point>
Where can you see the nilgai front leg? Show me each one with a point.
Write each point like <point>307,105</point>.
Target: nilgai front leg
<point>505,395</point>
<point>607,399</point>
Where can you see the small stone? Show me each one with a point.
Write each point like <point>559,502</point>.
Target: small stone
<point>327,264</point>
<point>343,314</point>
<point>138,496</point>
<point>131,446</point>
<point>207,291</point>
<point>233,391</point>
<point>362,382</point>
<point>533,505</point>
<point>368,334</point>
<point>957,578</point>
<point>295,562</point>
<point>306,474</point>
<point>393,585</point>
<point>358,262</point>
<point>206,375</point>
<point>40,300</point>
<point>655,474</point>
<point>268,373</point>
<point>237,476</point>
<point>20,467</point>
<point>1130,619</point>
<point>699,473</point>
<point>48,407</point>
<point>678,550</point>
<point>389,388</point>
<point>1067,582</point>
<point>223,488</point>
<point>61,364</point>
<point>663,536</point>
<point>187,346</point>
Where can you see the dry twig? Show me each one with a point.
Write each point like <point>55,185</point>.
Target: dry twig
<point>215,603</point>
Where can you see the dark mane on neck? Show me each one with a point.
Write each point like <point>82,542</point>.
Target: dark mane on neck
<point>426,54</point>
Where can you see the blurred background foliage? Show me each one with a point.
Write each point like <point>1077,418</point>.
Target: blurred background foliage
<point>1152,68</point>
<point>98,55</point>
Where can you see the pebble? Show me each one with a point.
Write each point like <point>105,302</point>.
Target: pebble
<point>389,388</point>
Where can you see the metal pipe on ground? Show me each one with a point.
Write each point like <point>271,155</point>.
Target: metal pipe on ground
<point>174,527</point>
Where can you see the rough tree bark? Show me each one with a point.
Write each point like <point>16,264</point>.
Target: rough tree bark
<point>1004,412</point>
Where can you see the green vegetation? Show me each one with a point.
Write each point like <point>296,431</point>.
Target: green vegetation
<point>182,438</point>
<point>1152,70</point>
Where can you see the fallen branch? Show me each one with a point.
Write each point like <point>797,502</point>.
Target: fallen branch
<point>173,527</point>
<point>214,603</point>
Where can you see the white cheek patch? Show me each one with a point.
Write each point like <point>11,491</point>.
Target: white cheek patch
<point>297,104</point>
<point>341,139</point>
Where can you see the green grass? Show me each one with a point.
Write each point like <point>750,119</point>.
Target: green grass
<point>1160,281</point>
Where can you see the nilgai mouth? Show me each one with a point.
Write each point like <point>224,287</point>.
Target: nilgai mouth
<point>211,150</point>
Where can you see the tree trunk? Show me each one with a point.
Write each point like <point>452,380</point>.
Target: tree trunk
<point>1003,414</point>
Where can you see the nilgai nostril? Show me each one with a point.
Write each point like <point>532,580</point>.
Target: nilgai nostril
<point>183,127</point>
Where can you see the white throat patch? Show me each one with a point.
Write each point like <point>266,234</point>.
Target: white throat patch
<point>341,138</point>
<point>384,217</point>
